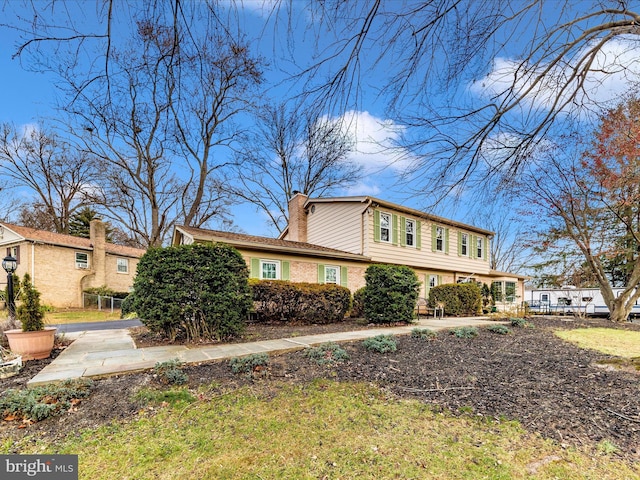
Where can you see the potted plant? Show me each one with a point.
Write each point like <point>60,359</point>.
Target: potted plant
<point>34,341</point>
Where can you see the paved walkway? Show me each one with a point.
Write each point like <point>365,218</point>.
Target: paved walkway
<point>110,352</point>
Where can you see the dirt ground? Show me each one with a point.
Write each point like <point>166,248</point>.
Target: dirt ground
<point>565,393</point>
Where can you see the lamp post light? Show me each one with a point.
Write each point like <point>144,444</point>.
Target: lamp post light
<point>10,264</point>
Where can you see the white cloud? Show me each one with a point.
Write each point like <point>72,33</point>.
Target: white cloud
<point>615,70</point>
<point>365,187</point>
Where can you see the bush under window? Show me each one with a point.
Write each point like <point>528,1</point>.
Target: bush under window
<point>457,298</point>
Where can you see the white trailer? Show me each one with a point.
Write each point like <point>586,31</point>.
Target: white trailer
<point>571,300</point>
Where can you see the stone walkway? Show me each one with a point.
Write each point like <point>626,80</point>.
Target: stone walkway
<point>110,352</point>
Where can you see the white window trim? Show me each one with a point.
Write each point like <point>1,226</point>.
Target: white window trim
<point>326,271</point>
<point>82,265</point>
<point>439,235</point>
<point>278,269</point>
<point>480,248</point>
<point>463,244</point>
<point>407,222</point>
<point>389,228</point>
<point>125,263</point>
<point>433,278</point>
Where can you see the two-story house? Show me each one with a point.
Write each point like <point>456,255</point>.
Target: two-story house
<point>333,240</point>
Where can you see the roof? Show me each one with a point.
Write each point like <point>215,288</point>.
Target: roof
<point>394,206</point>
<point>241,240</point>
<point>62,240</point>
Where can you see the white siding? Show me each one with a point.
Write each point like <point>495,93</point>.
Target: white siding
<point>336,225</point>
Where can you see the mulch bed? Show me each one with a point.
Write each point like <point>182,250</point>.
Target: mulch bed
<point>530,375</point>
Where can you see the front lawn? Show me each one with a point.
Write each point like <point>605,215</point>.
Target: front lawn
<point>324,429</point>
<point>80,316</point>
<point>621,343</point>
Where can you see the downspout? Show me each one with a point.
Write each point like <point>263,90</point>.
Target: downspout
<point>33,262</point>
<point>362,232</point>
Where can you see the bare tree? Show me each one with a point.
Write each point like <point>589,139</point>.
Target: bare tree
<point>58,175</point>
<point>292,151</point>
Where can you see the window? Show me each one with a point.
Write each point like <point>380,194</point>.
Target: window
<point>563,301</point>
<point>439,239</point>
<point>544,298</point>
<point>385,227</point>
<point>587,299</point>
<point>479,248</point>
<point>496,291</point>
<point>510,291</point>
<point>82,260</point>
<point>122,265</point>
<point>464,244</point>
<point>269,270</point>
<point>410,231</point>
<point>433,281</point>
<point>331,274</point>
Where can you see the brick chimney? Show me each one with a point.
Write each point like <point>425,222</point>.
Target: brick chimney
<point>97,235</point>
<point>297,218</point>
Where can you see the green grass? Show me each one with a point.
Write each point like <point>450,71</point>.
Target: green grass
<point>621,343</point>
<point>323,430</point>
<point>79,316</point>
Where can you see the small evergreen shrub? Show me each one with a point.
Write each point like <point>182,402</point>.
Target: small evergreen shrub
<point>43,401</point>
<point>126,308</point>
<point>465,332</point>
<point>170,372</point>
<point>192,291</point>
<point>457,298</point>
<point>423,333</point>
<point>249,364</point>
<point>357,305</point>
<point>29,312</point>
<point>391,293</point>
<point>499,329</point>
<point>519,322</point>
<point>283,301</point>
<point>381,344</point>
<point>327,354</point>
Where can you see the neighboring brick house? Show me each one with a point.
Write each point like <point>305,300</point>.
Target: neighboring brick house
<point>62,266</point>
<point>335,239</point>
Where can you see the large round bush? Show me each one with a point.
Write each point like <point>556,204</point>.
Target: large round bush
<point>193,291</point>
<point>390,294</point>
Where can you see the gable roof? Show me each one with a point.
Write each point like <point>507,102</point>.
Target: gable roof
<point>253,242</point>
<point>70,241</point>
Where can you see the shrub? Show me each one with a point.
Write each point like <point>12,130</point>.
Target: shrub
<point>357,305</point>
<point>105,291</point>
<point>390,294</point>
<point>519,322</point>
<point>249,364</point>
<point>30,312</point>
<point>465,332</point>
<point>192,291</point>
<point>499,329</point>
<point>44,401</point>
<point>278,300</point>
<point>170,372</point>
<point>126,308</point>
<point>381,344</point>
<point>457,298</point>
<point>327,354</point>
<point>423,333</point>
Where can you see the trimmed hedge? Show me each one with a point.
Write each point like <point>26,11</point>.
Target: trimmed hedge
<point>192,291</point>
<point>357,306</point>
<point>391,293</point>
<point>283,301</point>
<point>457,298</point>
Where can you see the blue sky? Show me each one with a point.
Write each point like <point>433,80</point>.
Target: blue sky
<point>26,97</point>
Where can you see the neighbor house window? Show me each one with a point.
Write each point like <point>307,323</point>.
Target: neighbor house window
<point>82,260</point>
<point>122,265</point>
<point>544,298</point>
<point>464,244</point>
<point>440,239</point>
<point>479,248</point>
<point>410,232</point>
<point>331,274</point>
<point>385,227</point>
<point>269,270</point>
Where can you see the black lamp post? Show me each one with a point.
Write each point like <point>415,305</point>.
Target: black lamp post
<point>10,264</point>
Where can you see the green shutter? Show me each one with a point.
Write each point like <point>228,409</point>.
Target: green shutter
<point>418,235</point>
<point>459,244</point>
<point>394,227</point>
<point>434,233</point>
<point>403,231</point>
<point>426,286</point>
<point>320,273</point>
<point>485,248</point>
<point>285,271</point>
<point>255,268</point>
<point>439,279</point>
<point>343,276</point>
<point>376,226</point>
<point>446,241</point>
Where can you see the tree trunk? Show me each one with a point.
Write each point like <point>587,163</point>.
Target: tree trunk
<point>619,310</point>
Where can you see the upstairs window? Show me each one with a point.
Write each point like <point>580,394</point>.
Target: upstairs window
<point>440,239</point>
<point>385,227</point>
<point>122,265</point>
<point>479,247</point>
<point>464,244</point>
<point>82,260</point>
<point>410,232</point>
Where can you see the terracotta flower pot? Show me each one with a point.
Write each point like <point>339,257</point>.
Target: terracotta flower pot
<point>31,345</point>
